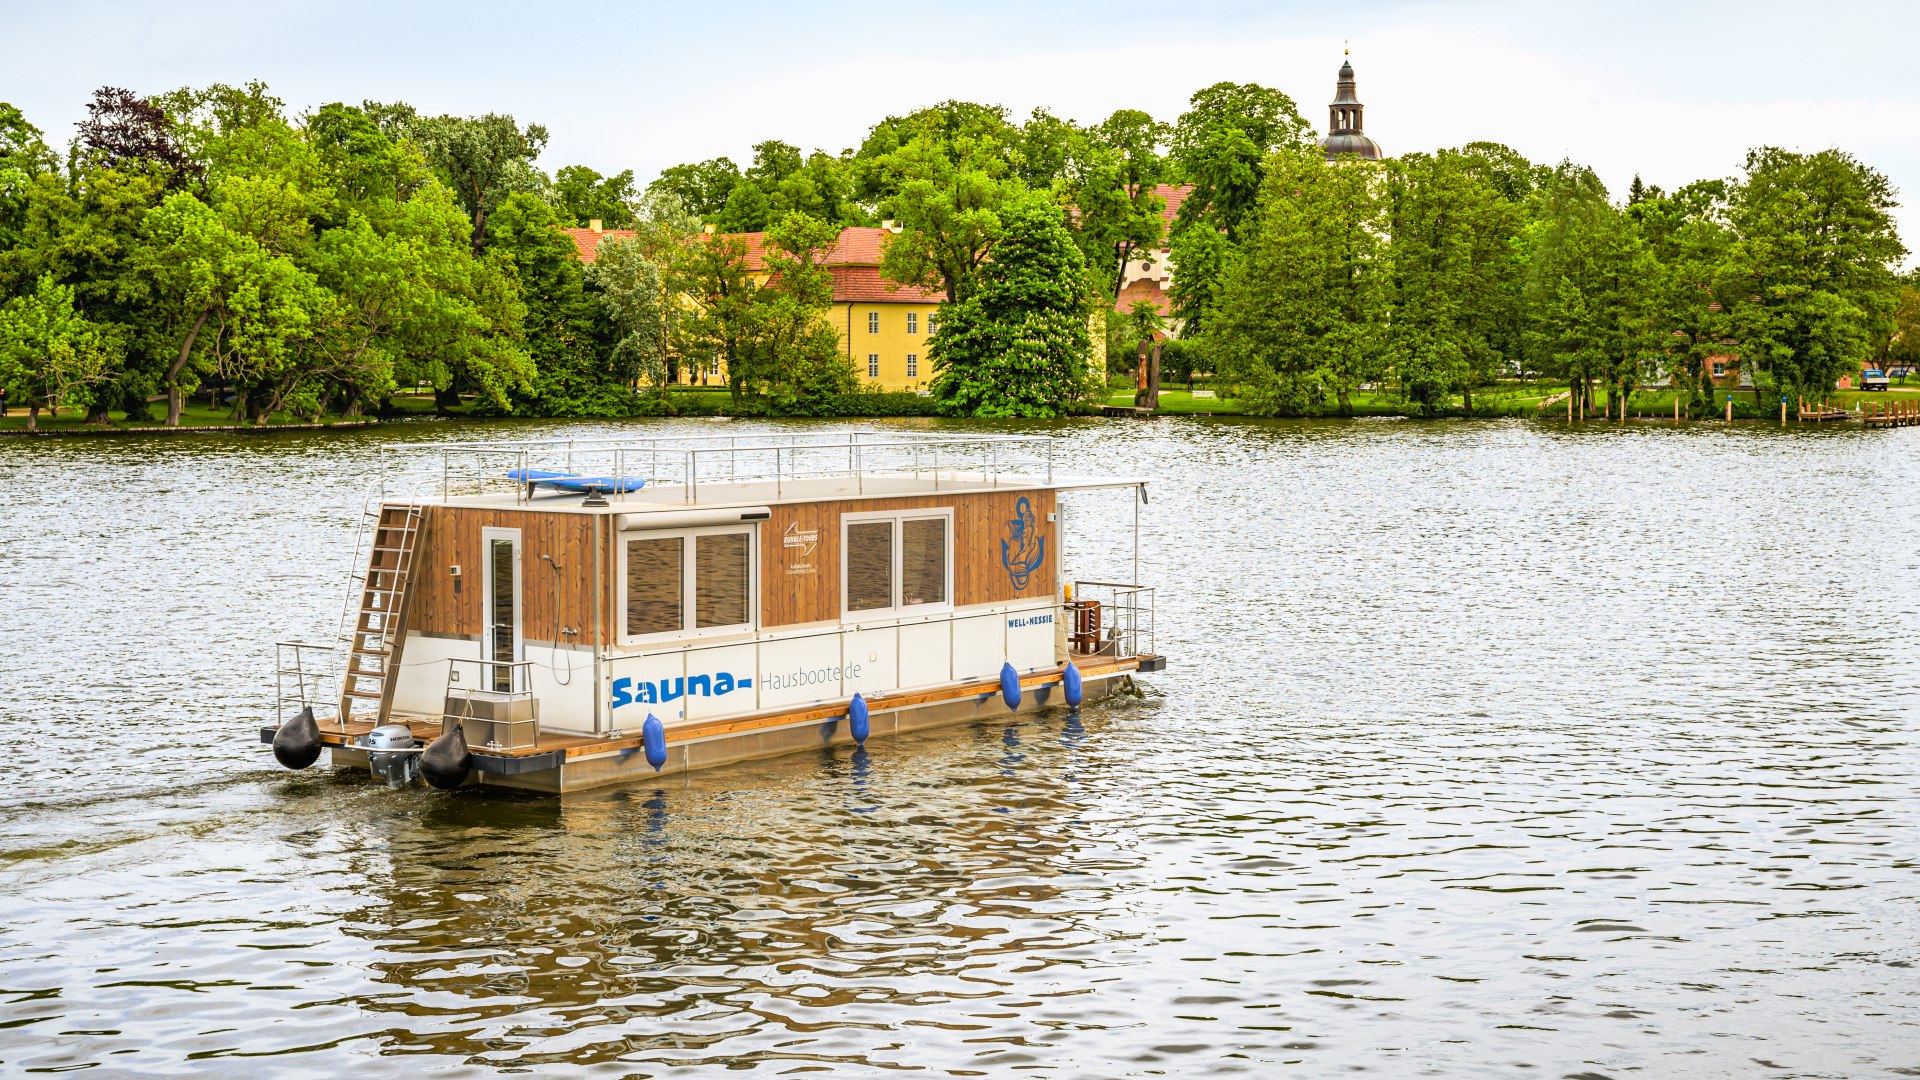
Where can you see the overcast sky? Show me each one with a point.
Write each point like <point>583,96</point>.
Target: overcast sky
<point>1673,91</point>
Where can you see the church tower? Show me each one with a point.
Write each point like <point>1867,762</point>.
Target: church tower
<point>1346,136</point>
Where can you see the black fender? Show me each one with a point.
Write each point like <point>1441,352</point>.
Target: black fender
<point>297,744</point>
<point>445,762</point>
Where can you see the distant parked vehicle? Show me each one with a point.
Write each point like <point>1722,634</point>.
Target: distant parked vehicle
<point>1874,379</point>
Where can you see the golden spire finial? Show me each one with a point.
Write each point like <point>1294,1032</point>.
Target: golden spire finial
<point>1346,47</point>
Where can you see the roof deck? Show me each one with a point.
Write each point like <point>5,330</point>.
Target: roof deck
<point>678,472</point>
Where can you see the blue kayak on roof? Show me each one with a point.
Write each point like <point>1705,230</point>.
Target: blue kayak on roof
<point>566,481</point>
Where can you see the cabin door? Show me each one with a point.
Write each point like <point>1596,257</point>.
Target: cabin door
<point>501,641</point>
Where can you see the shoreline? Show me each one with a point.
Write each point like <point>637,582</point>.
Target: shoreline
<point>184,429</point>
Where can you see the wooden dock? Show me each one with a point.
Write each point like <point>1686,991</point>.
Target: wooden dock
<point>1820,413</point>
<point>1891,414</point>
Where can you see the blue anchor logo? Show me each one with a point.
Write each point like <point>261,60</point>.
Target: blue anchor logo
<point>1024,549</point>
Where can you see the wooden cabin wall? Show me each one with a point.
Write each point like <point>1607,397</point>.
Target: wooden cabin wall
<point>797,587</point>
<point>452,538</point>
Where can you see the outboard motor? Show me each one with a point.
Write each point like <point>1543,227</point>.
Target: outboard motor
<point>401,763</point>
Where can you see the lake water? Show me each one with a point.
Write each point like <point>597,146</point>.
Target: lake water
<point>1489,749</point>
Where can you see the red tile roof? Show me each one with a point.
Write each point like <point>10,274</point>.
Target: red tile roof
<point>856,245</point>
<point>864,285</point>
<point>586,242</point>
<point>1174,194</point>
<point>1146,290</point>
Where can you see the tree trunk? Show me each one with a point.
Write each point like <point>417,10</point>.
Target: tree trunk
<point>1466,401</point>
<point>33,416</point>
<point>1346,406</point>
<point>174,397</point>
<point>445,401</point>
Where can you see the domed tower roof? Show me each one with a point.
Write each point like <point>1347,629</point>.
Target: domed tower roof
<point>1346,135</point>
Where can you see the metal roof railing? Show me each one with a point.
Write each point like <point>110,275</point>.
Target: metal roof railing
<point>690,461</point>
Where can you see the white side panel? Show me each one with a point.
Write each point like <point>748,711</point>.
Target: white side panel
<point>1030,642</point>
<point>926,654</point>
<point>720,682</point>
<point>422,687</point>
<point>871,656</point>
<point>978,641</point>
<point>643,684</point>
<point>563,685</point>
<point>800,671</point>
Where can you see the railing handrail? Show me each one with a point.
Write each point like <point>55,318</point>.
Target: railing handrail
<point>837,440</point>
<point>687,461</point>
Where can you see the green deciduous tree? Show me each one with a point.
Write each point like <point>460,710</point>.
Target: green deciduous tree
<point>567,336</point>
<point>482,159</point>
<point>24,155</point>
<point>795,353</point>
<point>714,276</point>
<point>1110,177</point>
<point>1454,271</point>
<point>1816,245</point>
<point>633,279</point>
<point>1017,342</point>
<point>1221,146</point>
<point>1690,289</point>
<point>702,187</point>
<point>1590,289</point>
<point>943,173</point>
<point>581,195</point>
<point>49,353</point>
<point>1305,314</point>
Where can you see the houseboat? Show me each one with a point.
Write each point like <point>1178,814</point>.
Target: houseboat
<point>561,615</point>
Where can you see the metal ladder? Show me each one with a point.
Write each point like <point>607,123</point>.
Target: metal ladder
<point>380,626</point>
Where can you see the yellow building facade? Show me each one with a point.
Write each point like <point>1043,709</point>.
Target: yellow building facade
<point>884,328</point>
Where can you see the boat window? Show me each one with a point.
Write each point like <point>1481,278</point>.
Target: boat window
<point>923,561</point>
<point>721,577</point>
<point>687,582</point>
<point>654,567</point>
<point>898,561</point>
<point>503,622</point>
<point>869,565</point>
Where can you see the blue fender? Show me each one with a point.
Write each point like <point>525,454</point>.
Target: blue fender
<point>857,719</point>
<point>653,735</point>
<point>1010,685</point>
<point>1070,683</point>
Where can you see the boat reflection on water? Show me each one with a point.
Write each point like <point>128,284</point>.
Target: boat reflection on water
<point>681,919</point>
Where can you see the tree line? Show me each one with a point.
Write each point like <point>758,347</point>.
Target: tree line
<point>207,241</point>
<point>1438,274</point>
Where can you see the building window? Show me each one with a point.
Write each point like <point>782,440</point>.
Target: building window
<point>913,322</point>
<point>933,323</point>
<point>873,365</point>
<point>897,562</point>
<point>699,581</point>
<point>873,322</point>
<point>913,366</point>
<point>1719,371</point>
